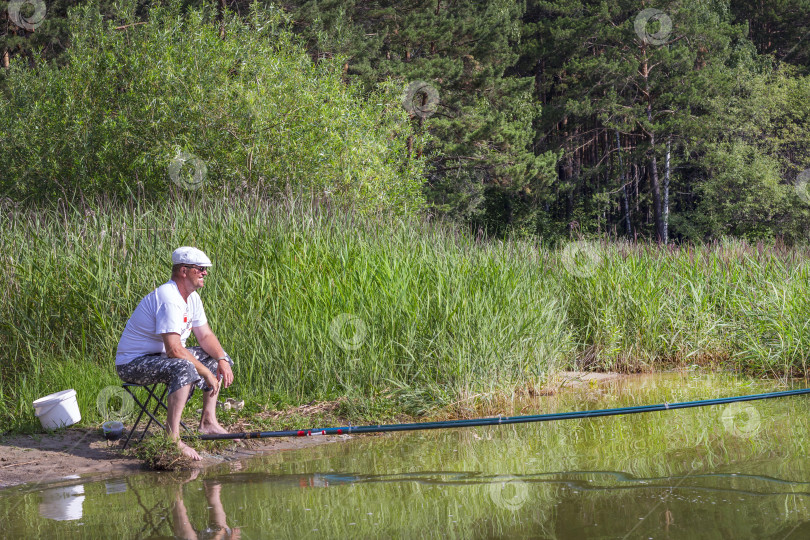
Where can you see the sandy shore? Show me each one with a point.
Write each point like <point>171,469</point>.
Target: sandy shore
<point>42,458</point>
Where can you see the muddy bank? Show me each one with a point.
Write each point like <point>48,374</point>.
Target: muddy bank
<point>44,458</point>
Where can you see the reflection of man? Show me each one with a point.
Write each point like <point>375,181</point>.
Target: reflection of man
<point>217,528</point>
<point>153,348</point>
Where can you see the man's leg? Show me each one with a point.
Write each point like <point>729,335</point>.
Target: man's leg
<point>216,513</point>
<point>175,404</point>
<point>208,420</point>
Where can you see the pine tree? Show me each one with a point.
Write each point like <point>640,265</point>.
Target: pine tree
<point>478,118</point>
<point>778,27</point>
<point>629,69</point>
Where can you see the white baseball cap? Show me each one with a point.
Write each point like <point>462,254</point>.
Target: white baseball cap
<point>190,255</point>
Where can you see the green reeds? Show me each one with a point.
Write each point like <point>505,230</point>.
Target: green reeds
<point>435,317</point>
<point>394,314</point>
<point>726,302</point>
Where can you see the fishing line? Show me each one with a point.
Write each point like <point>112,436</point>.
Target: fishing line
<point>496,420</point>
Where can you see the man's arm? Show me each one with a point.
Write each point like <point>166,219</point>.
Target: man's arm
<point>175,349</point>
<point>210,344</point>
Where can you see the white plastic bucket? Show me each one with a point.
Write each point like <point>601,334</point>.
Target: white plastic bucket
<point>58,410</point>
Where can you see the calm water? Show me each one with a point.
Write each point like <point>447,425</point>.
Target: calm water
<point>739,471</point>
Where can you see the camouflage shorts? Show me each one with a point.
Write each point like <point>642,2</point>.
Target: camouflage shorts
<point>175,373</point>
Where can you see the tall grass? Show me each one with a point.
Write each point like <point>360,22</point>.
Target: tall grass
<point>440,318</point>
<point>726,301</point>
<point>444,317</point>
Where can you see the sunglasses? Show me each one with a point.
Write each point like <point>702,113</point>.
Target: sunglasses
<point>199,269</point>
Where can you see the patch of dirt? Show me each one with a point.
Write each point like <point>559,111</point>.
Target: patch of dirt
<point>28,458</point>
<point>583,379</point>
<point>47,457</point>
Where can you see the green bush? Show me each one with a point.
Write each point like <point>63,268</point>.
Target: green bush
<point>138,105</point>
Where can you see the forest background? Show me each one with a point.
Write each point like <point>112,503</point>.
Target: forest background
<point>680,120</point>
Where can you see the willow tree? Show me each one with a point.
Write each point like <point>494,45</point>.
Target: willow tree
<point>247,109</point>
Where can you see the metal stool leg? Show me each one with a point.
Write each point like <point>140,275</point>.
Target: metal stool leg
<point>152,417</point>
<point>144,408</point>
<point>140,414</point>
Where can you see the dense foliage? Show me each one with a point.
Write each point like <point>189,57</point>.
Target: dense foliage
<point>543,118</point>
<point>482,165</point>
<point>233,105</point>
<point>536,117</point>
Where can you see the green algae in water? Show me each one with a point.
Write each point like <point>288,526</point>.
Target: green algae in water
<point>736,471</point>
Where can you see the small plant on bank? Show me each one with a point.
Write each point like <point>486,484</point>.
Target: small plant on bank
<point>162,454</point>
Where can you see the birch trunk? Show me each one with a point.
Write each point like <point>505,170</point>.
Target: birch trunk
<point>654,183</point>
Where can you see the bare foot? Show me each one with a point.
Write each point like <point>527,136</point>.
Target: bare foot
<point>188,451</point>
<point>211,428</point>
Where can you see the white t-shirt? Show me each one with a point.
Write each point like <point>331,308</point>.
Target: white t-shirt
<point>160,312</point>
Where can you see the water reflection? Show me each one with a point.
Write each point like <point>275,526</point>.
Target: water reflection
<point>217,520</point>
<point>115,486</point>
<point>694,473</point>
<point>62,503</point>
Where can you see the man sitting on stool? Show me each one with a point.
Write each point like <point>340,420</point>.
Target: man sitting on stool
<point>153,348</point>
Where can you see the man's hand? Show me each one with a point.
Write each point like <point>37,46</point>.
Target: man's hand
<point>211,380</point>
<point>224,372</point>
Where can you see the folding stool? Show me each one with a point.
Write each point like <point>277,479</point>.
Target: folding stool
<point>144,407</point>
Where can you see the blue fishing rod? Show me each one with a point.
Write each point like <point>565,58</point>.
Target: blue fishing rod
<point>495,420</point>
